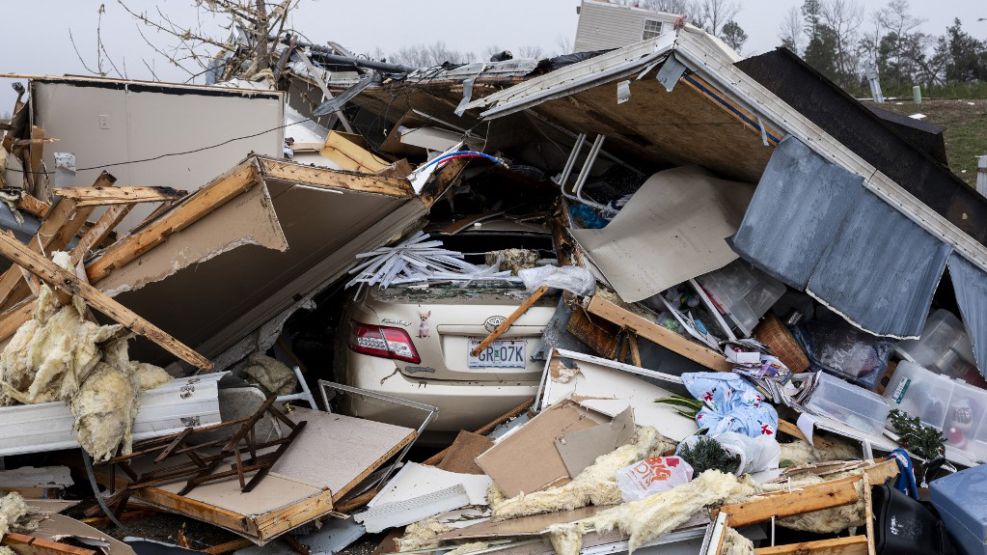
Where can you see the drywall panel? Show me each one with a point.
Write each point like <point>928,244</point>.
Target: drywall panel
<point>107,122</point>
<point>248,219</point>
<point>213,304</point>
<point>674,228</point>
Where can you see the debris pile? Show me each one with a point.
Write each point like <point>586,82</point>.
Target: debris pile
<point>688,314</point>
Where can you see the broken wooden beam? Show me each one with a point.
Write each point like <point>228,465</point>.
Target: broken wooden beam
<point>68,282</point>
<point>102,196</point>
<point>853,545</point>
<point>24,544</point>
<point>509,321</point>
<point>56,231</point>
<point>656,333</point>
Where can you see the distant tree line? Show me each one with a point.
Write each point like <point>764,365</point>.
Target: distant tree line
<point>840,41</point>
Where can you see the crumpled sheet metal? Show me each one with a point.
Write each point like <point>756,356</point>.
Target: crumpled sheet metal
<point>813,225</point>
<point>970,286</point>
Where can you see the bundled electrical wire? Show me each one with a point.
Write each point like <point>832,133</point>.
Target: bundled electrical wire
<point>419,259</point>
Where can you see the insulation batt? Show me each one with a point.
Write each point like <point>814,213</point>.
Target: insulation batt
<point>272,374</point>
<point>651,517</point>
<point>58,355</point>
<point>106,405</point>
<point>52,353</point>
<point>799,452</point>
<point>12,510</point>
<point>595,485</point>
<point>421,535</point>
<point>736,544</point>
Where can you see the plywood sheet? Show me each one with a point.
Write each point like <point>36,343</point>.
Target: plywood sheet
<point>461,456</point>
<point>337,452</point>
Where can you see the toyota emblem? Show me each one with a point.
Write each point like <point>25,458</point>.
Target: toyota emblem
<point>492,323</point>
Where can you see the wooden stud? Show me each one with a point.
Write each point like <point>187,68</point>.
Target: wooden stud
<point>334,179</point>
<point>102,196</point>
<point>99,231</point>
<point>635,351</point>
<point>658,334</point>
<point>33,206</point>
<point>810,498</point>
<point>868,514</point>
<point>226,547</point>
<point>24,544</point>
<point>509,321</point>
<point>853,545</point>
<point>67,281</point>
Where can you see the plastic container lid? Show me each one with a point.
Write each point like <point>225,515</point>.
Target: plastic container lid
<point>743,293</point>
<point>963,497</point>
<point>848,403</point>
<point>944,346</point>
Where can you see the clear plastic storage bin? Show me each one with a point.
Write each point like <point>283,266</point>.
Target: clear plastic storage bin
<point>944,347</point>
<point>851,404</point>
<point>950,405</point>
<point>742,292</point>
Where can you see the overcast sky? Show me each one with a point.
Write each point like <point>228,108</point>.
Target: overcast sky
<point>37,31</point>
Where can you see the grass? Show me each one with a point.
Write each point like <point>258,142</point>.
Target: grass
<point>966,130</point>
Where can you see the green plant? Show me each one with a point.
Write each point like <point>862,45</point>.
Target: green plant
<point>707,453</point>
<point>925,441</point>
<point>686,406</point>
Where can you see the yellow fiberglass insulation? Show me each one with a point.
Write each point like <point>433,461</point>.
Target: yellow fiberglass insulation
<point>106,405</point>
<point>272,374</point>
<point>736,544</point>
<point>799,452</point>
<point>150,376</point>
<point>53,353</point>
<point>422,535</point>
<point>12,510</point>
<point>829,521</point>
<point>651,517</point>
<point>595,485</point>
<point>59,355</point>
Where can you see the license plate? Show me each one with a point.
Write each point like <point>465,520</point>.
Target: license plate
<point>506,353</point>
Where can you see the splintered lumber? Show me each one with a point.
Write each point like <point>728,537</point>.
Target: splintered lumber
<point>23,544</point>
<point>806,499</point>
<point>33,206</point>
<point>346,150</point>
<point>101,196</point>
<point>99,231</point>
<point>66,281</point>
<point>217,193</point>
<point>853,545</point>
<point>509,321</point>
<point>658,334</point>
<point>226,547</point>
<point>56,231</point>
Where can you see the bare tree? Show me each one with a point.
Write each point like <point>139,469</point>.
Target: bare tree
<point>429,55</point>
<point>792,30</point>
<point>678,7</point>
<point>712,15</point>
<point>530,51</point>
<point>564,45</point>
<point>249,29</point>
<point>844,18</point>
<point>102,56</point>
